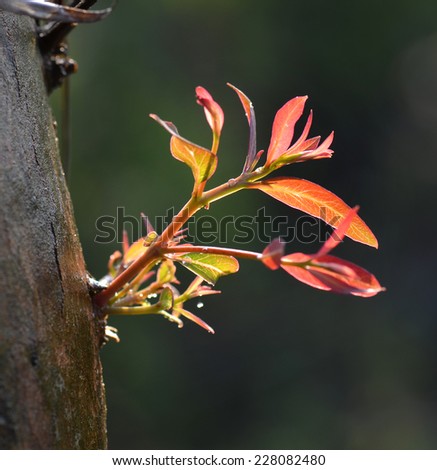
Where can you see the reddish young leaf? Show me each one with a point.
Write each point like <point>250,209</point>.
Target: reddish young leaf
<point>307,150</point>
<point>283,127</point>
<point>147,224</point>
<point>125,242</point>
<point>272,254</point>
<point>213,112</point>
<point>193,318</point>
<point>281,152</point>
<point>331,274</point>
<point>338,234</point>
<point>318,202</point>
<point>310,144</point>
<point>252,157</point>
<point>324,146</point>
<point>305,131</point>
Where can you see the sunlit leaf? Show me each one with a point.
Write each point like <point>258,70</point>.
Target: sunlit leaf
<point>166,272</point>
<point>166,299</point>
<point>125,242</point>
<point>338,234</point>
<point>305,131</point>
<point>147,224</point>
<point>205,290</point>
<point>196,289</point>
<point>252,157</point>
<point>272,254</point>
<point>318,202</point>
<point>283,127</point>
<point>307,150</point>
<point>209,266</point>
<point>213,112</point>
<point>332,274</point>
<point>194,318</point>
<point>135,250</point>
<point>202,162</point>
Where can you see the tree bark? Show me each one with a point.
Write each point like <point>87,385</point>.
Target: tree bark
<point>51,388</point>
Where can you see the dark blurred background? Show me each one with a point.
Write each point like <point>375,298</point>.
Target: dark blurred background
<point>289,366</point>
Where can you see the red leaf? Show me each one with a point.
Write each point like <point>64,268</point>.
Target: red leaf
<point>302,151</point>
<point>194,318</point>
<point>318,202</point>
<point>125,242</point>
<point>147,224</point>
<point>310,144</point>
<point>332,274</point>
<point>322,151</point>
<point>272,254</point>
<point>305,131</point>
<point>338,234</point>
<point>324,146</point>
<point>251,159</point>
<point>213,112</point>
<point>283,127</point>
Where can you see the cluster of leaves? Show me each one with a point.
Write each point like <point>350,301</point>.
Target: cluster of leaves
<point>142,279</point>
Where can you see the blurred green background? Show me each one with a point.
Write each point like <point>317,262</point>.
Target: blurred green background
<point>289,366</point>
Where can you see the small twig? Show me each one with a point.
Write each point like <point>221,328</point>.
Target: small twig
<point>61,30</point>
<point>49,11</point>
<point>214,250</point>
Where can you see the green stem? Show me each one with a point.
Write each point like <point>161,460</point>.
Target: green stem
<point>142,311</point>
<point>138,310</point>
<point>234,185</point>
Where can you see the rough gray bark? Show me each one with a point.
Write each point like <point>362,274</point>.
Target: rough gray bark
<point>51,389</point>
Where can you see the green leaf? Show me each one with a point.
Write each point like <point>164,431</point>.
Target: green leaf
<point>166,299</point>
<point>137,249</point>
<point>209,266</point>
<point>202,162</point>
<point>166,272</point>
